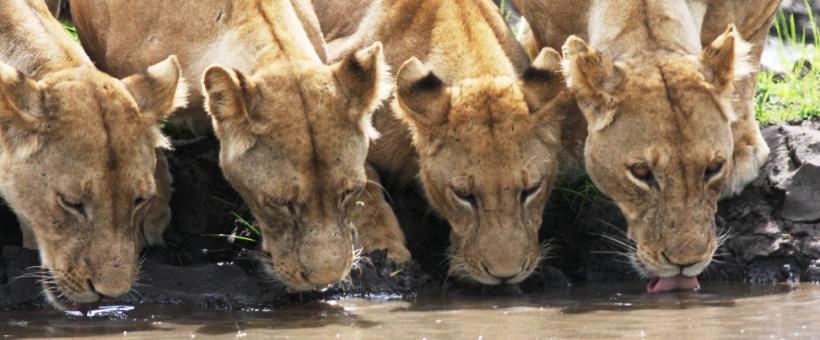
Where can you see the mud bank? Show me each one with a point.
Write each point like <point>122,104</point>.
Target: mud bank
<point>775,228</point>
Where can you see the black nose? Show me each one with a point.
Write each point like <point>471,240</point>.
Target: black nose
<point>681,265</point>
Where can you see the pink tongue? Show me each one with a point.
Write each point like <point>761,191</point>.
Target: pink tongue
<point>668,284</point>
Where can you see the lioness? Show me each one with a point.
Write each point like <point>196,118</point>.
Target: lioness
<point>667,93</point>
<point>294,131</point>
<point>79,159</point>
<point>473,121</point>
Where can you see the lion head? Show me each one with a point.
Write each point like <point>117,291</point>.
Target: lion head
<point>487,152</point>
<point>660,144</point>
<point>294,138</point>
<point>77,164</point>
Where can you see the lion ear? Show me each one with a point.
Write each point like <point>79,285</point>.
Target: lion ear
<point>365,77</point>
<point>22,113</point>
<point>593,79</point>
<point>422,98</point>
<point>542,81</point>
<point>366,81</point>
<point>726,59</point>
<point>227,92</point>
<point>159,90</point>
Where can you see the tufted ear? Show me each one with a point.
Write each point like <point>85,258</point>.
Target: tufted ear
<point>365,80</point>
<point>22,113</point>
<point>159,90</point>
<point>227,93</point>
<point>726,59</point>
<point>593,79</point>
<point>422,98</point>
<point>542,81</point>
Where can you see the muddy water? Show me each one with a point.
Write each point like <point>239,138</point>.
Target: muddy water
<point>597,311</point>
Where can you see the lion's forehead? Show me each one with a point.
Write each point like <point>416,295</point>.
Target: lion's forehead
<point>110,149</point>
<point>495,161</point>
<point>494,98</point>
<point>301,96</point>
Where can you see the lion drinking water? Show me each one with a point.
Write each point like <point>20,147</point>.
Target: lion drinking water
<point>294,131</point>
<point>666,90</point>
<point>79,156</point>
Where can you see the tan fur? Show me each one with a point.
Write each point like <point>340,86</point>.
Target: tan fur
<point>663,83</point>
<point>294,131</point>
<point>79,155</point>
<point>340,19</point>
<point>481,133</point>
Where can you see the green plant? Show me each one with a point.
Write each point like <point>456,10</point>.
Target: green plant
<point>576,189</point>
<point>243,230</point>
<point>69,28</point>
<point>795,93</point>
<point>516,24</point>
<point>176,131</point>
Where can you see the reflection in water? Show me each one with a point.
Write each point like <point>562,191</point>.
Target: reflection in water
<point>110,312</point>
<point>594,311</point>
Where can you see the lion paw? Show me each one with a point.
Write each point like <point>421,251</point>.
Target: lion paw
<point>29,240</point>
<point>748,159</point>
<point>158,216</point>
<point>379,229</point>
<point>157,219</point>
<point>396,252</point>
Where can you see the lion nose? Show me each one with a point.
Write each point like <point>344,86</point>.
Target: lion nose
<point>94,289</point>
<point>681,265</point>
<point>503,278</point>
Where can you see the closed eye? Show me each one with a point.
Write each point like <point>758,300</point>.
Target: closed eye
<point>71,206</point>
<point>465,196</point>
<point>142,201</point>
<point>282,204</point>
<point>530,192</point>
<point>713,170</point>
<point>351,193</point>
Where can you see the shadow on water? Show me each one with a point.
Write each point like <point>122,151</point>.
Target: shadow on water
<point>587,298</point>
<point>311,315</point>
<point>167,319</point>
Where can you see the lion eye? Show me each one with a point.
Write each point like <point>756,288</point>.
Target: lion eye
<point>642,172</point>
<point>281,204</point>
<point>72,206</point>
<point>465,196</point>
<point>529,192</point>
<point>351,193</point>
<point>713,170</point>
<point>140,201</point>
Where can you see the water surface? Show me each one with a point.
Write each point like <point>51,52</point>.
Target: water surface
<point>588,312</point>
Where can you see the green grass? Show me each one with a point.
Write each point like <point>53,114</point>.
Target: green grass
<point>176,131</point>
<point>244,230</point>
<point>507,14</point>
<point>794,94</point>
<point>69,28</point>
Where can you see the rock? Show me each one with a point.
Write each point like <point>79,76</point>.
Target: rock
<point>777,218</point>
<point>802,202</point>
